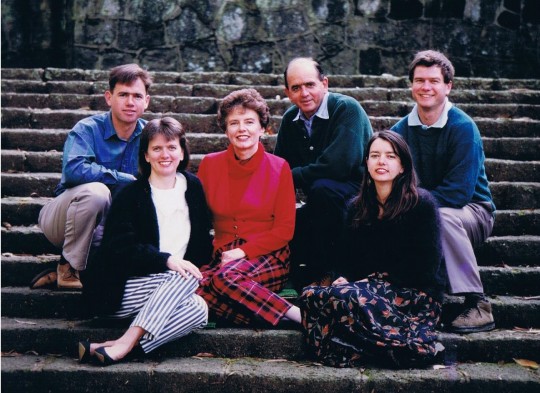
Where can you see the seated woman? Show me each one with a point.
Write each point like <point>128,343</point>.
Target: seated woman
<point>251,196</point>
<point>156,231</point>
<point>386,305</point>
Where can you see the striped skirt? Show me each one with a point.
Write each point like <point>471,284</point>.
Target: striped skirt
<point>164,305</point>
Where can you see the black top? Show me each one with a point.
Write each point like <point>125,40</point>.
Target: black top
<point>130,245</point>
<point>407,248</point>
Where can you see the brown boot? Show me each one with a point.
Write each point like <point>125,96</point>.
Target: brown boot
<point>474,319</point>
<point>67,277</point>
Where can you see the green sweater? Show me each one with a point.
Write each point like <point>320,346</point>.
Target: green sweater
<point>335,149</point>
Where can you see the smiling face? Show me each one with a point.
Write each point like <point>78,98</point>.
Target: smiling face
<point>305,89</point>
<point>428,89</point>
<point>127,103</point>
<point>164,156</point>
<point>383,164</point>
<point>244,129</point>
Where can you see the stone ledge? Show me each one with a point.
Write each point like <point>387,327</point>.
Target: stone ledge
<point>42,373</point>
<point>60,336</point>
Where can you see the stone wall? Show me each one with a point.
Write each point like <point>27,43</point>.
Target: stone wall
<point>491,38</point>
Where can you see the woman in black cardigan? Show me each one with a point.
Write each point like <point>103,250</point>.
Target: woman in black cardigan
<point>386,303</point>
<point>156,234</point>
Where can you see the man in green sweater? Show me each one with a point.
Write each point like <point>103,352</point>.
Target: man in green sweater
<point>449,158</point>
<point>322,137</point>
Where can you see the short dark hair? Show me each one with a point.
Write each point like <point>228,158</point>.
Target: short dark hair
<point>245,98</point>
<point>430,58</point>
<point>170,129</point>
<point>128,74</point>
<point>404,194</point>
<point>317,66</point>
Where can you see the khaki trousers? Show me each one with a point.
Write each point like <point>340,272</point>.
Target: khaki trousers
<point>461,231</point>
<point>73,220</point>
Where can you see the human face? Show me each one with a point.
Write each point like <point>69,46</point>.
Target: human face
<point>244,130</point>
<point>383,164</point>
<point>428,88</point>
<point>305,89</point>
<point>127,103</point>
<point>164,156</point>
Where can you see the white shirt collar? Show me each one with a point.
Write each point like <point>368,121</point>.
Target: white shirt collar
<point>414,119</point>
<point>322,112</point>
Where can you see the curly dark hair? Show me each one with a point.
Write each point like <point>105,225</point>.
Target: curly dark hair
<point>245,98</point>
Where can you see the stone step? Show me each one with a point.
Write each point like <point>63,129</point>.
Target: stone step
<point>521,149</point>
<point>510,250</point>
<point>508,311</point>
<point>507,195</point>
<point>33,373</point>
<point>18,271</point>
<point>242,79</point>
<point>200,105</point>
<point>21,118</point>
<point>74,95</point>
<point>59,336</point>
<point>51,161</point>
<point>25,210</point>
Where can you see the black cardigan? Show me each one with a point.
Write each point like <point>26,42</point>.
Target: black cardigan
<point>130,245</point>
<point>407,248</point>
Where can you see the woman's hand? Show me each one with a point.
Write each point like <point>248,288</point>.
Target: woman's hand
<point>183,267</point>
<point>232,255</point>
<point>340,281</point>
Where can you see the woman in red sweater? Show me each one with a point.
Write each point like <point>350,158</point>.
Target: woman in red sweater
<point>251,196</point>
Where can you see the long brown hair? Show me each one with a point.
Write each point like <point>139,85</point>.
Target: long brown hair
<point>404,194</point>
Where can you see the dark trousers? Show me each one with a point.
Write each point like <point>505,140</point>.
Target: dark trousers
<point>319,223</point>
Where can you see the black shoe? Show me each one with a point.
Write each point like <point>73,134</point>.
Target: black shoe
<point>104,357</point>
<point>46,279</point>
<point>84,351</point>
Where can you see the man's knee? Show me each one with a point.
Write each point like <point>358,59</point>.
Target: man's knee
<point>322,189</point>
<point>96,195</point>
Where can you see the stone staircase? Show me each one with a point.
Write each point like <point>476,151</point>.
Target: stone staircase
<point>40,328</point>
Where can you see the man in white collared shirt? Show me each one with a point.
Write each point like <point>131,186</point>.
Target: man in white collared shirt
<point>322,137</point>
<point>449,159</point>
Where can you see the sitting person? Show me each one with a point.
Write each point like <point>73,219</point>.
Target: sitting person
<point>251,196</point>
<point>99,157</point>
<point>387,302</point>
<point>447,152</point>
<point>157,229</point>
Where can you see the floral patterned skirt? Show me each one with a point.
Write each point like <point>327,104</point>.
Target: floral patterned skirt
<point>370,321</point>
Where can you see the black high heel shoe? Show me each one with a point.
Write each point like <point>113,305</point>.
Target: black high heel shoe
<point>84,351</point>
<point>104,357</point>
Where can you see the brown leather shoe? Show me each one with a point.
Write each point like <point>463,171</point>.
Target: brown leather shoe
<point>474,319</point>
<point>67,277</point>
<point>45,279</point>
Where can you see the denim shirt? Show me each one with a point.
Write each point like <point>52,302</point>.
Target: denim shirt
<point>93,152</point>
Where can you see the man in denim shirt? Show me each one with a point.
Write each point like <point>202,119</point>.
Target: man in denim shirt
<point>100,154</point>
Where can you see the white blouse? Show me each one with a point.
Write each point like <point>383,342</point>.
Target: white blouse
<point>173,217</point>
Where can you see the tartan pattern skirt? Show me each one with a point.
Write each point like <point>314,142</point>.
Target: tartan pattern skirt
<point>370,321</point>
<point>243,291</point>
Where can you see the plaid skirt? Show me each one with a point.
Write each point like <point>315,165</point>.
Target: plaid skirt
<point>370,321</point>
<point>243,291</point>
